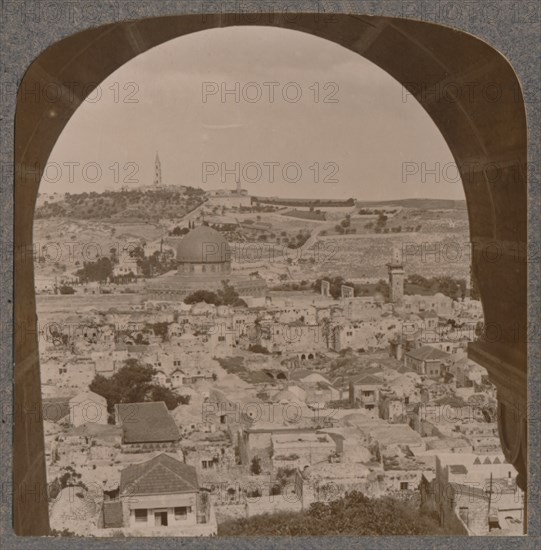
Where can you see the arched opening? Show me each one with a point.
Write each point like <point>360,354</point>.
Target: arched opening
<point>472,127</point>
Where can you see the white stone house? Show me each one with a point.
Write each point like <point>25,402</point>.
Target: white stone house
<point>88,407</point>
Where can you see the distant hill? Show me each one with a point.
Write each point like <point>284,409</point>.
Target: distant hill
<point>124,205</point>
<point>428,204</point>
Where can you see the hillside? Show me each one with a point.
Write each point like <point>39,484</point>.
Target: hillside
<point>124,205</point>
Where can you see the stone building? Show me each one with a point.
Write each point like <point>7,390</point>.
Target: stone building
<point>475,494</point>
<point>160,496</point>
<point>88,407</point>
<point>146,427</point>
<point>428,361</point>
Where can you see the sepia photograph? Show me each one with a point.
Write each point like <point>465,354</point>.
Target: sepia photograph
<point>271,280</point>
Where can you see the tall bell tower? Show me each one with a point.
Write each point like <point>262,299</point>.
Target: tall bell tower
<point>157,171</point>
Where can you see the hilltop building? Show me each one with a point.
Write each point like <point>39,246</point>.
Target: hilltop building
<point>236,198</point>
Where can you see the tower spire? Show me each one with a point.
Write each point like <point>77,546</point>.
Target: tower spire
<point>157,171</point>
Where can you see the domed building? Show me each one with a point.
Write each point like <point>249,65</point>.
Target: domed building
<point>203,263</point>
<point>203,251</point>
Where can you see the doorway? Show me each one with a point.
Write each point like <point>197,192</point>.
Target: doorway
<point>160,518</point>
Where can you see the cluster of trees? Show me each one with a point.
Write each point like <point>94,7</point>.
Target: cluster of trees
<point>371,211</point>
<point>344,227</point>
<point>100,270</point>
<point>381,222</point>
<point>447,285</point>
<point>133,383</point>
<point>156,204</point>
<point>354,514</point>
<point>292,285</point>
<point>159,329</point>
<point>415,284</point>
<point>379,225</point>
<point>66,289</point>
<point>226,296</point>
<point>299,239</point>
<point>156,264</point>
<point>304,202</point>
<point>178,231</point>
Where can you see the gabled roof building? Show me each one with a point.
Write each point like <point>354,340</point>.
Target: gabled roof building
<point>160,497</point>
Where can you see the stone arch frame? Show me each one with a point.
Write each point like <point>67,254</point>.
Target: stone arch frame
<point>487,137</point>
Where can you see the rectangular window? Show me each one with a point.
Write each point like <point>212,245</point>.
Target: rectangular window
<point>181,512</point>
<point>141,515</point>
<point>403,485</point>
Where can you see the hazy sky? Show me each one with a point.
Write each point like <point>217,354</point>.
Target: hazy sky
<point>155,103</point>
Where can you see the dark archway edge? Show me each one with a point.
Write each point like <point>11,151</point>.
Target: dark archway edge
<point>487,139</point>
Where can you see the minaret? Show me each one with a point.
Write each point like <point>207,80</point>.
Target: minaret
<point>396,278</point>
<point>469,284</point>
<point>239,188</point>
<point>157,171</point>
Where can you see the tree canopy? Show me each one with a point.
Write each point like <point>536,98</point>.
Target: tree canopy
<point>133,383</point>
<point>100,270</point>
<point>227,296</point>
<point>354,514</point>
<point>447,285</point>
